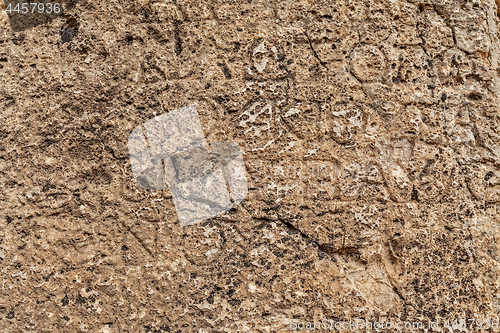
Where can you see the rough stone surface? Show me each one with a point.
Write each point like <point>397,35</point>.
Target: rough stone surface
<point>370,132</point>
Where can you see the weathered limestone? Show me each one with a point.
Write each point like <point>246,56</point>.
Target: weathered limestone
<point>370,135</point>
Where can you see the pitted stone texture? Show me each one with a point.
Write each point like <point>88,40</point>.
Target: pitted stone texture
<point>369,131</point>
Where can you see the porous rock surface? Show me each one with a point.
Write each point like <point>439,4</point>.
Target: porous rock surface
<point>370,135</point>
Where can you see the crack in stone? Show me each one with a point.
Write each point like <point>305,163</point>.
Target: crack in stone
<point>321,247</point>
<point>314,51</point>
<point>177,38</point>
<point>139,240</point>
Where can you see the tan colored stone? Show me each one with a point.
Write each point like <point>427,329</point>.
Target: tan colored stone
<point>370,135</point>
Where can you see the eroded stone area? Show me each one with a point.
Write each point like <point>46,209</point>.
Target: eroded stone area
<point>369,131</point>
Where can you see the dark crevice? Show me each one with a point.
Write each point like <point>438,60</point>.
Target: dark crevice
<point>287,124</point>
<point>295,230</point>
<point>396,290</point>
<point>405,302</point>
<point>225,70</point>
<point>139,240</point>
<point>414,194</point>
<point>69,30</point>
<point>314,51</point>
<point>178,41</point>
<point>325,249</point>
